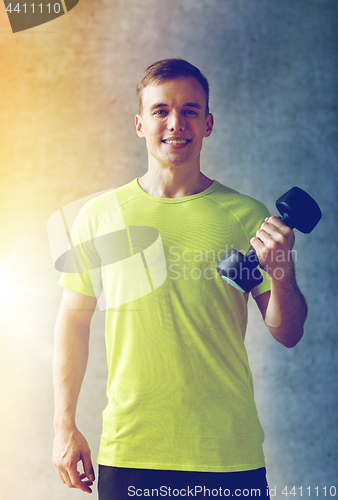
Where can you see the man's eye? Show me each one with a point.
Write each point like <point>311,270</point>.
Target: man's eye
<point>159,112</point>
<point>190,112</point>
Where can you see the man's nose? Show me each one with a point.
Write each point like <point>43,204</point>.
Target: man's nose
<point>176,122</point>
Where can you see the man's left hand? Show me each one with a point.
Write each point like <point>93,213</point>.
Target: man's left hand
<point>273,244</point>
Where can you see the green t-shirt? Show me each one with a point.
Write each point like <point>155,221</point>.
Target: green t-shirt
<point>180,391</point>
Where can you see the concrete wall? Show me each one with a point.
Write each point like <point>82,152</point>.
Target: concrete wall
<point>68,104</point>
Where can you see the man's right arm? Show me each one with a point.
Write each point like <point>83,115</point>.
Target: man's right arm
<point>69,366</point>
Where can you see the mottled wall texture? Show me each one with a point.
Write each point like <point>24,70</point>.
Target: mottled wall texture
<point>67,131</point>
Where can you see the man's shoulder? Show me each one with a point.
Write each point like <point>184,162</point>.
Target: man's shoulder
<point>238,203</point>
<point>109,200</point>
<point>95,211</point>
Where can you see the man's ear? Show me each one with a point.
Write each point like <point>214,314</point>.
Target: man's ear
<point>210,125</point>
<point>139,125</point>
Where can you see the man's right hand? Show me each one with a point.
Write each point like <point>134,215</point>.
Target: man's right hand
<point>71,447</point>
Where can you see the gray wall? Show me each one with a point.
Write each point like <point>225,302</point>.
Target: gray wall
<point>68,108</point>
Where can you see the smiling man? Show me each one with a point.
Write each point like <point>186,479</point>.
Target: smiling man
<point>181,418</point>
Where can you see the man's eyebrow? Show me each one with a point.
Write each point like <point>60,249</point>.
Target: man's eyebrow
<point>158,105</point>
<point>186,105</point>
<point>192,105</point>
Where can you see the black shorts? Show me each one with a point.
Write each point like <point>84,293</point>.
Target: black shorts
<point>119,483</point>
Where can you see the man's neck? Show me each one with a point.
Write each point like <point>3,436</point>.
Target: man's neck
<point>173,183</point>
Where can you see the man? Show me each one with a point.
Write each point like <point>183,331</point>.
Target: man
<point>181,410</point>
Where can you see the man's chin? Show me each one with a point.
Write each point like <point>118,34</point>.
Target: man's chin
<point>178,158</point>
<point>176,162</point>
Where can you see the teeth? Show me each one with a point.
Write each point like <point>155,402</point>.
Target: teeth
<point>176,142</point>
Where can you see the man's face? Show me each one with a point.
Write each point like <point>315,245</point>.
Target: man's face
<point>174,121</point>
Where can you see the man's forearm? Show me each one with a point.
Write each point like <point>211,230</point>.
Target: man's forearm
<point>284,308</point>
<point>69,366</point>
<point>286,311</point>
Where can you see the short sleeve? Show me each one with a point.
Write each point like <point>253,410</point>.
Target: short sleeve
<point>81,268</point>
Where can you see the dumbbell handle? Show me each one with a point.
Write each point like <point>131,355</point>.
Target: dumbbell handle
<point>251,254</point>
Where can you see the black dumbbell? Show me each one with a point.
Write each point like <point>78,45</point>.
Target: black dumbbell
<point>298,211</point>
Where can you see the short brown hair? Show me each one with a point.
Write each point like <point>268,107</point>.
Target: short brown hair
<point>169,69</point>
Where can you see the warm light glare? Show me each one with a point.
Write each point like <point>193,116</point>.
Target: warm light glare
<point>10,290</point>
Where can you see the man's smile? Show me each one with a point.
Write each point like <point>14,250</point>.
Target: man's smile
<point>176,142</point>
